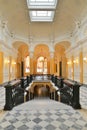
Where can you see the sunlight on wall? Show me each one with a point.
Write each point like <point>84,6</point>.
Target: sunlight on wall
<point>6,67</point>
<point>27,64</point>
<point>42,65</point>
<point>85,69</point>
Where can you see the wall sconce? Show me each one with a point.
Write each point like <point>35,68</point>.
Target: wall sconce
<point>69,63</point>
<point>76,61</point>
<point>8,61</point>
<point>85,59</point>
<point>14,63</point>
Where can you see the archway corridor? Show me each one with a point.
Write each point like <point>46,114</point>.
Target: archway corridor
<point>43,89</point>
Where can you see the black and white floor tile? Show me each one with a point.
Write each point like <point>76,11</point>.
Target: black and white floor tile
<point>28,120</point>
<point>43,114</point>
<point>83,97</point>
<point>2,97</point>
<point>43,118</point>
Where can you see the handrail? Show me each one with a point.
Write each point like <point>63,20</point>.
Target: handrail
<point>69,91</point>
<point>14,92</point>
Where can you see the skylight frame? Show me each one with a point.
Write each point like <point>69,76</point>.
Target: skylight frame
<point>41,18</point>
<point>41,4</point>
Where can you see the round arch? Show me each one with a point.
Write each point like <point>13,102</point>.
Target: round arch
<point>41,50</point>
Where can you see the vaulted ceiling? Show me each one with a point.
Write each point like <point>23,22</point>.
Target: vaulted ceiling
<point>67,13</point>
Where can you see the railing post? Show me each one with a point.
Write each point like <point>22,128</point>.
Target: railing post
<point>55,80</point>
<point>31,78</point>
<point>24,82</point>
<point>28,80</point>
<point>60,82</point>
<point>56,96</point>
<point>52,77</point>
<point>53,95</point>
<point>76,102</point>
<point>27,96</point>
<point>8,98</point>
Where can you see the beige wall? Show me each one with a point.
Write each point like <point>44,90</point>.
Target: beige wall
<point>8,69</point>
<point>1,67</point>
<point>77,67</point>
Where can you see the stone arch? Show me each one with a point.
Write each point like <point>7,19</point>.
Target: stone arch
<point>41,91</point>
<point>52,89</point>
<point>64,44</point>
<point>41,50</point>
<point>17,44</point>
<point>22,48</point>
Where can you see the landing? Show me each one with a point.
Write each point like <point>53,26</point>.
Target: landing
<point>43,114</point>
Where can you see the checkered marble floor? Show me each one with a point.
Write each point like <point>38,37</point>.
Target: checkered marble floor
<point>83,97</point>
<point>43,116</point>
<point>2,97</point>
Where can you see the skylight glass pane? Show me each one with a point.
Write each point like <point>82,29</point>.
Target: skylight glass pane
<point>41,4</point>
<point>41,16</point>
<point>49,13</point>
<point>34,13</point>
<point>41,13</point>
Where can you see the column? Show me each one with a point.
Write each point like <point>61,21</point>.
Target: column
<point>67,68</point>
<point>55,64</point>
<point>10,67</point>
<point>48,67</point>
<point>51,62</point>
<point>72,59</point>
<point>81,66</point>
<point>34,66</point>
<point>1,67</point>
<point>31,62</point>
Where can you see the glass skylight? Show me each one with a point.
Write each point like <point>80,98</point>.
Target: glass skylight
<point>41,10</point>
<point>41,4</point>
<point>41,16</point>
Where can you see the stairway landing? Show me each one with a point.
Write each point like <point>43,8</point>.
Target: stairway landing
<point>43,114</point>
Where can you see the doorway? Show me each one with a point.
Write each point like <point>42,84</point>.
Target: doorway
<point>41,91</point>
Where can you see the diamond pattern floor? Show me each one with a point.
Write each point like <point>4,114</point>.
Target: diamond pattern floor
<point>2,97</point>
<point>83,97</point>
<point>43,117</point>
<point>43,114</point>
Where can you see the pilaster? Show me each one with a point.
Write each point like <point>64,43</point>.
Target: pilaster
<point>1,67</point>
<point>51,62</point>
<point>81,66</point>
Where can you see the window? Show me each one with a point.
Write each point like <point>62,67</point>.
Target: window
<point>42,65</point>
<point>27,64</point>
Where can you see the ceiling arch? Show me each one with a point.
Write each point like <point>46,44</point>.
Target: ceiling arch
<point>41,50</point>
<point>64,44</point>
<point>17,44</point>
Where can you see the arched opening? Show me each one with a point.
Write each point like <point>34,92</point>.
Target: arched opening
<point>27,64</point>
<point>42,65</point>
<point>41,91</point>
